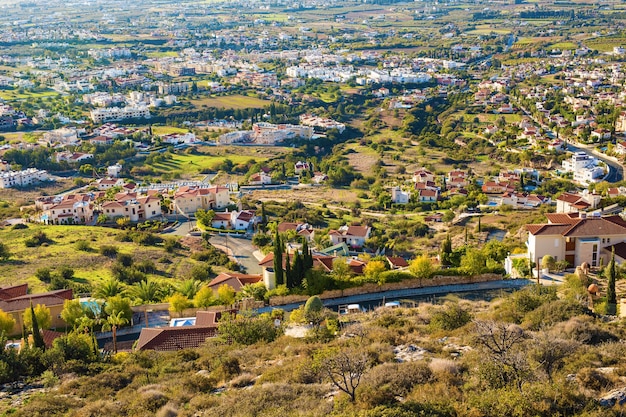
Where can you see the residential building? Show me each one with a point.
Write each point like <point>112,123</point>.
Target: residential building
<point>575,237</point>
<point>69,211</point>
<point>25,178</point>
<point>107,114</point>
<point>398,196</point>
<point>235,280</point>
<point>14,300</point>
<point>574,203</point>
<point>353,236</point>
<point>187,200</point>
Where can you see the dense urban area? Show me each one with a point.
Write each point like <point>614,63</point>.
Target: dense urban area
<point>318,207</point>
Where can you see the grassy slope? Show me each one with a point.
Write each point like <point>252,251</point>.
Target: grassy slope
<point>88,266</point>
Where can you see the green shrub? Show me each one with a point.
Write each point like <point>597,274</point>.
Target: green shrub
<point>451,316</point>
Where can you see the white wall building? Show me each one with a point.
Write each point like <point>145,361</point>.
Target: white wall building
<point>10,179</point>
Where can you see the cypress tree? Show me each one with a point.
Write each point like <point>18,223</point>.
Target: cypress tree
<point>298,270</point>
<point>611,298</point>
<point>446,251</point>
<point>288,272</point>
<point>278,260</point>
<point>37,337</point>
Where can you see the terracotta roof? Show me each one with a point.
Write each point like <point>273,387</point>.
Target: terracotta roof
<point>236,281</point>
<point>357,231</point>
<point>21,303</point>
<point>569,198</point>
<point>547,229</point>
<point>13,291</point>
<point>49,336</point>
<point>174,338</point>
<point>211,318</point>
<point>285,226</point>
<point>397,261</point>
<point>561,218</point>
<point>600,226</point>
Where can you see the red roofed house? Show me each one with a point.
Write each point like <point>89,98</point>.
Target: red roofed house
<point>14,300</point>
<point>573,203</point>
<point>234,280</point>
<point>353,236</point>
<point>188,200</point>
<point>396,262</point>
<point>575,237</point>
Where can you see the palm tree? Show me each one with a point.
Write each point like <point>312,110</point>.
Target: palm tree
<point>109,288</point>
<point>189,288</point>
<point>147,292</point>
<point>112,323</point>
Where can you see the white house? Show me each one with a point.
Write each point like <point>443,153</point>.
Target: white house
<point>353,236</point>
<point>398,196</point>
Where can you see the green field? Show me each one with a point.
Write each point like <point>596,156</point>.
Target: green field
<point>231,102</point>
<point>167,130</point>
<point>88,266</point>
<point>563,45</point>
<point>15,95</point>
<point>193,164</point>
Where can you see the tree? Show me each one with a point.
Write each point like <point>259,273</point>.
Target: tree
<point>178,303</point>
<point>611,298</point>
<point>189,287</point>
<point>247,329</point>
<point>42,313</point>
<point>205,217</point>
<point>344,369</point>
<point>422,267</point>
<point>204,298</point>
<point>373,269</point>
<point>72,312</point>
<point>226,294</point>
<point>7,322</point>
<point>446,251</point>
<point>473,262</point>
<point>5,254</point>
<point>109,288</point>
<point>117,304</point>
<point>314,311</point>
<point>278,259</point>
<point>34,325</point>
<point>547,262</point>
<point>146,292</point>
<point>113,322</point>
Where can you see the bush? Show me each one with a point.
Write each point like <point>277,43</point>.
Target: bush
<point>82,245</point>
<point>19,226</point>
<point>109,251</point>
<point>551,313</point>
<point>383,384</point>
<point>395,276</point>
<point>38,239</point>
<point>451,316</point>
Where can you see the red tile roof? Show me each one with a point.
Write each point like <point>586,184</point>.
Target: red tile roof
<point>174,338</point>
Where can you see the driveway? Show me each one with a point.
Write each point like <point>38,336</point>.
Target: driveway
<point>241,249</point>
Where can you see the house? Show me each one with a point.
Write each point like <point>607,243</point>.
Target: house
<point>353,236</point>
<point>102,141</point>
<point>398,196</point>
<point>496,187</point>
<point>427,196</point>
<point>423,175</point>
<point>243,220</point>
<point>24,178</point>
<point>73,157</point>
<point>396,262</point>
<point>575,237</point>
<point>260,178</point>
<point>573,203</point>
<point>601,134</point>
<point>300,167</point>
<point>15,299</point>
<point>302,229</point>
<point>174,338</point>
<point>187,200</point>
<point>235,280</point>
<point>221,220</point>
<point>68,212</point>
<point>108,183</point>
<point>114,170</point>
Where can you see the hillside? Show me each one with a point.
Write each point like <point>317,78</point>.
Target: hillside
<point>526,354</point>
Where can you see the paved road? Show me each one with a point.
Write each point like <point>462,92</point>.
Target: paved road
<point>241,249</point>
<point>238,247</point>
